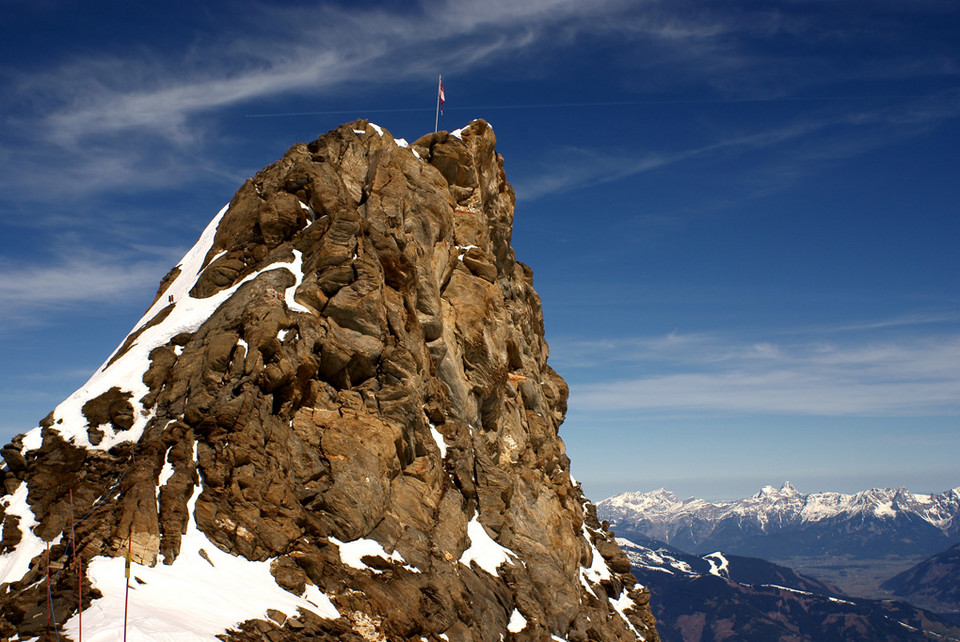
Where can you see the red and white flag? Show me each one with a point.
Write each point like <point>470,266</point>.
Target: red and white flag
<point>440,100</point>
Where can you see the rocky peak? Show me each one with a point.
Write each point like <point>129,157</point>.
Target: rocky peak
<point>342,388</point>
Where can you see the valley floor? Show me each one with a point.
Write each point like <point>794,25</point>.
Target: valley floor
<point>857,577</point>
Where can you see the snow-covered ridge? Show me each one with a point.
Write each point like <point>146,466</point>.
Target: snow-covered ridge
<point>786,505</point>
<point>125,372</point>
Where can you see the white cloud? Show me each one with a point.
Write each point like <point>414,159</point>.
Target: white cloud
<point>35,292</point>
<point>908,376</point>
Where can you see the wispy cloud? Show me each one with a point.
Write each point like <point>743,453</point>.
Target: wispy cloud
<point>847,134</point>
<point>111,117</point>
<point>315,51</point>
<point>141,119</point>
<point>915,375</point>
<point>32,292</point>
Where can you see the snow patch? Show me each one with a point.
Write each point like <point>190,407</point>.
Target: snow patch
<point>719,565</point>
<point>517,622</point>
<point>190,600</point>
<point>185,314</point>
<point>884,509</point>
<point>15,564</point>
<point>457,133</point>
<point>377,129</point>
<point>620,605</point>
<point>787,588</point>
<point>839,601</point>
<point>352,553</point>
<point>32,440</point>
<point>484,550</point>
<point>463,249</point>
<point>165,473</point>
<point>441,442</point>
<point>295,268</point>
<point>598,569</point>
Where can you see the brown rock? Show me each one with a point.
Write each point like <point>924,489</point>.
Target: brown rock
<point>410,399</point>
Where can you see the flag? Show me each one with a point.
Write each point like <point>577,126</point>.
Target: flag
<point>440,100</point>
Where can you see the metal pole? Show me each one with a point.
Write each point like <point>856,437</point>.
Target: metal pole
<point>49,600</point>
<point>126,596</point>
<point>73,544</point>
<point>436,122</point>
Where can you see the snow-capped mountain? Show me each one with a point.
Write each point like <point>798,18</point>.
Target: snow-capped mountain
<point>721,596</point>
<point>783,522</point>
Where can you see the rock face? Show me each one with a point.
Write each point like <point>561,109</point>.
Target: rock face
<point>346,382</point>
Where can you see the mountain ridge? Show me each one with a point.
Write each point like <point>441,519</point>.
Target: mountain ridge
<point>722,596</point>
<point>768,523</point>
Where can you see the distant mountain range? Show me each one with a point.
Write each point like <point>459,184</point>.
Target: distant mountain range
<point>933,583</point>
<point>726,597</point>
<point>784,523</point>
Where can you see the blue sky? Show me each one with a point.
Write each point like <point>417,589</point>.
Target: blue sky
<point>742,217</point>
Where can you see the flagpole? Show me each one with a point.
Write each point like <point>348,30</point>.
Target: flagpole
<point>436,122</point>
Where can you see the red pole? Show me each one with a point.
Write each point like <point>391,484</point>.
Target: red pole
<point>80,596</point>
<point>49,601</point>
<point>126,596</point>
<point>73,543</point>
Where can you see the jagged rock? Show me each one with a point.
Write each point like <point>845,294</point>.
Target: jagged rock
<point>344,384</point>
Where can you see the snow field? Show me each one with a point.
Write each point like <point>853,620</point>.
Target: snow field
<point>192,600</point>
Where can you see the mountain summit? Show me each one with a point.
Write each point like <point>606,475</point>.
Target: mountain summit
<point>336,422</point>
<point>781,523</point>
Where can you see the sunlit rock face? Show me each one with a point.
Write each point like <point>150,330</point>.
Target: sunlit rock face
<point>337,417</point>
